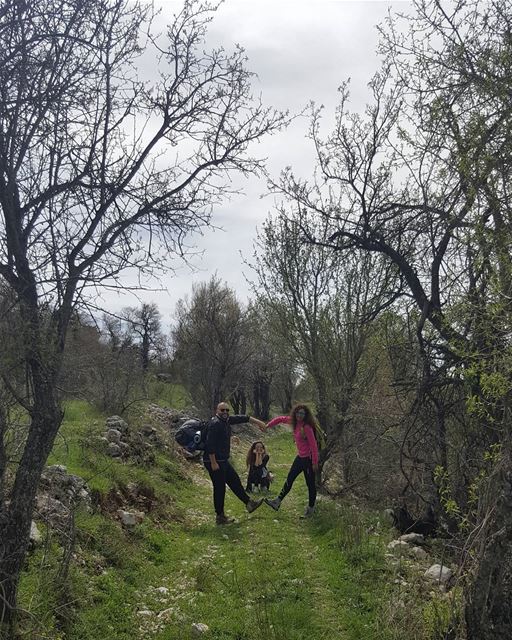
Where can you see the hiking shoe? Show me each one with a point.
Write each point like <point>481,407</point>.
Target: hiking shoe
<point>252,505</point>
<point>275,503</point>
<point>222,519</point>
<point>308,512</point>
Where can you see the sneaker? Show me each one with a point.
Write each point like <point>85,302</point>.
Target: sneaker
<point>252,505</point>
<point>275,503</point>
<point>308,511</point>
<point>222,519</point>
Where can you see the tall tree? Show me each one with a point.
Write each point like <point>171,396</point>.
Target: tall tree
<point>271,372</point>
<point>423,180</point>
<point>212,343</point>
<point>101,170</point>
<point>145,323</point>
<point>321,308</point>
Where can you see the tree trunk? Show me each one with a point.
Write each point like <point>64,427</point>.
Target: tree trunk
<point>3,456</point>
<point>16,519</point>
<point>43,364</point>
<point>264,401</point>
<point>145,352</point>
<point>488,596</point>
<point>261,399</point>
<point>256,399</point>
<point>243,401</point>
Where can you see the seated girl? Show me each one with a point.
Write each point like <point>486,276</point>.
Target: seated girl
<point>258,475</point>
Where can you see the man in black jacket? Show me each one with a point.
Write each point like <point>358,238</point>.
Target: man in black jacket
<point>216,461</point>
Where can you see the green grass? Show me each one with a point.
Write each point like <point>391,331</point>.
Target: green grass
<point>269,575</point>
<point>166,394</point>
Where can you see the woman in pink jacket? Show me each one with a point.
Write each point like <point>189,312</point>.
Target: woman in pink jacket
<point>306,462</point>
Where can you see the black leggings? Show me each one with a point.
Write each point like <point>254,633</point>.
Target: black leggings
<point>225,475</point>
<point>305,466</point>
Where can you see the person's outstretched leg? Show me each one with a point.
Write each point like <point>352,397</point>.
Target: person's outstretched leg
<point>235,484</point>
<point>295,470</point>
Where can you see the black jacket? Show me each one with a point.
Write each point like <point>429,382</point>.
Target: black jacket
<point>218,437</point>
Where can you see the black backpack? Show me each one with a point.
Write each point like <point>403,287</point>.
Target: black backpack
<point>192,435</point>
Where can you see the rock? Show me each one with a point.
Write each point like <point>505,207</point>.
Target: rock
<point>51,509</point>
<point>418,552</point>
<point>59,493</point>
<point>84,495</point>
<point>439,573</point>
<point>35,534</point>
<point>114,450</point>
<point>164,377</point>
<point>388,517</point>
<point>55,469</point>
<point>139,516</point>
<point>114,435</point>
<point>413,538</point>
<point>198,628</point>
<point>398,544</point>
<point>165,417</point>
<point>116,422</point>
<point>127,518</point>
<point>148,431</point>
<point>62,485</point>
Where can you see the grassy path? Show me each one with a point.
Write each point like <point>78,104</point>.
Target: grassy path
<point>268,575</point>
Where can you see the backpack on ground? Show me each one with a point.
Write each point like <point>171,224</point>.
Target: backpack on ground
<point>192,435</point>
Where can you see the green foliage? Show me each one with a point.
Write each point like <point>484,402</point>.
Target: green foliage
<point>100,535</point>
<point>440,615</point>
<point>39,591</point>
<point>442,480</point>
<point>168,394</point>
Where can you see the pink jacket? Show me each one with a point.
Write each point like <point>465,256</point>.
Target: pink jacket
<point>306,446</point>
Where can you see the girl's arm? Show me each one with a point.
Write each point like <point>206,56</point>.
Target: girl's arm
<point>257,423</point>
<point>278,420</point>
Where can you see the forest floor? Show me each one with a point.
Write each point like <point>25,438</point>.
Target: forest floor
<point>269,575</point>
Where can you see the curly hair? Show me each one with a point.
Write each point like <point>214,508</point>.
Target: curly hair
<point>309,418</point>
<point>251,456</point>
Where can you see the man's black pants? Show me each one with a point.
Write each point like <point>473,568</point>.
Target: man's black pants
<point>225,475</point>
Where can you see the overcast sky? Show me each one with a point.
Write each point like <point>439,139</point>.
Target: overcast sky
<point>301,50</point>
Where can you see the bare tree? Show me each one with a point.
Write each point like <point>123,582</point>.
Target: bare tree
<point>321,308</point>
<point>101,170</point>
<point>145,323</point>
<point>271,374</point>
<point>212,343</point>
